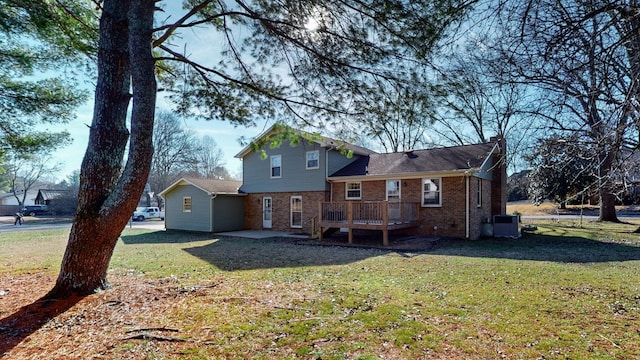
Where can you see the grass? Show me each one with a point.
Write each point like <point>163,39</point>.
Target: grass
<point>565,291</point>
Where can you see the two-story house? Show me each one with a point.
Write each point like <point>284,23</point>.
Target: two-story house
<point>284,184</point>
<point>317,183</point>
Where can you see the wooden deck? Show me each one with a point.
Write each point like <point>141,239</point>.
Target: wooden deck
<point>369,215</point>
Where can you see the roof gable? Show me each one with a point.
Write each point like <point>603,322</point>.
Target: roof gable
<point>323,141</point>
<point>448,159</point>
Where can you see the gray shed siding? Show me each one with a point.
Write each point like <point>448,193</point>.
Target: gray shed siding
<point>295,176</point>
<point>228,213</point>
<point>199,219</point>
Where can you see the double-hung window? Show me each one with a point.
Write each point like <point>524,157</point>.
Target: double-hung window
<point>432,192</point>
<point>276,166</point>
<point>313,160</point>
<point>353,190</point>
<point>296,211</point>
<point>186,204</point>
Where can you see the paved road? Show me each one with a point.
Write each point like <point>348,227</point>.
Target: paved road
<point>6,225</point>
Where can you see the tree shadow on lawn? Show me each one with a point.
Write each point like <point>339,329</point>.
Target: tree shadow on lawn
<point>232,253</point>
<point>540,247</point>
<point>24,322</point>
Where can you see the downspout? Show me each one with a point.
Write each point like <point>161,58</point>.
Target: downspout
<point>211,207</point>
<point>326,173</point>
<point>467,208</point>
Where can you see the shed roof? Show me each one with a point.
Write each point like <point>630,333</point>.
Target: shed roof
<point>209,186</point>
<point>438,160</point>
<point>49,194</point>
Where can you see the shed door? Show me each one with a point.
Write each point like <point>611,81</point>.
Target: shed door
<point>267,212</point>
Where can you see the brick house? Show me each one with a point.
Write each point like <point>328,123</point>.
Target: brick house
<point>317,184</point>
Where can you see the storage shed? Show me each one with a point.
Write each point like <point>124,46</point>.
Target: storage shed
<point>204,205</point>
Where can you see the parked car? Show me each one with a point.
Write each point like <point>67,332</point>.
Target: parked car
<point>33,210</point>
<point>144,213</point>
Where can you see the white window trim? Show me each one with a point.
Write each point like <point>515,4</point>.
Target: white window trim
<point>306,158</point>
<point>271,166</point>
<point>184,209</point>
<point>386,189</point>
<point>439,204</point>
<point>291,212</point>
<point>346,190</point>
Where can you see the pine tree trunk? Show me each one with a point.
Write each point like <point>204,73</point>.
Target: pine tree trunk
<point>108,193</point>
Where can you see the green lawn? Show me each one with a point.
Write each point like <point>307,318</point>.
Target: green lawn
<point>565,291</point>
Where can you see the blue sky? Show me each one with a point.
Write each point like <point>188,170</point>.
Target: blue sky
<point>200,44</point>
<point>226,135</point>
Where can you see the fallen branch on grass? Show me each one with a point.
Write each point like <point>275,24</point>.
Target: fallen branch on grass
<point>148,336</point>
<point>152,329</point>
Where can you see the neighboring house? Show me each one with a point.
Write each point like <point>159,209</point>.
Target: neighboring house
<point>9,205</point>
<point>204,205</point>
<point>285,188</point>
<point>10,199</point>
<point>48,196</point>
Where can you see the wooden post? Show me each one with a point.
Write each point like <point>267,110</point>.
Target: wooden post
<point>320,220</point>
<point>385,223</point>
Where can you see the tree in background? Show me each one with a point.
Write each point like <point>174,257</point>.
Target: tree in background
<point>580,56</point>
<point>36,37</point>
<point>476,98</point>
<point>562,170</point>
<point>301,61</point>
<point>175,151</point>
<point>210,163</point>
<point>23,173</point>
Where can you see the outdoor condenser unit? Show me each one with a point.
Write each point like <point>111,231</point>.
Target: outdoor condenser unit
<point>505,226</point>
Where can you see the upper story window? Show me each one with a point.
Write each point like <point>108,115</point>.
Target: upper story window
<point>432,192</point>
<point>276,166</point>
<point>186,204</point>
<point>353,190</point>
<point>313,159</point>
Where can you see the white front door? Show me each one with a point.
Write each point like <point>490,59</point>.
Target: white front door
<point>267,212</point>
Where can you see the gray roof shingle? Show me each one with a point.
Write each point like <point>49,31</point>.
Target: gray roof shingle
<point>455,158</point>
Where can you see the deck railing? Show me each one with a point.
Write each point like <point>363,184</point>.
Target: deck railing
<point>368,212</point>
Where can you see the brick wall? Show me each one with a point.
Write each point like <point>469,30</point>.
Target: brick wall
<point>281,220</point>
<point>447,220</point>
